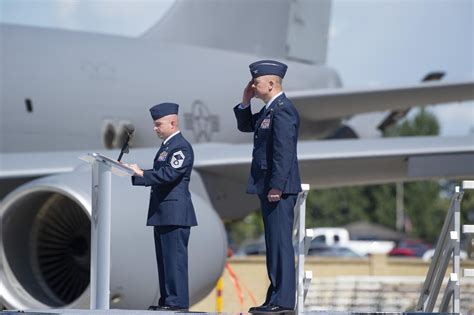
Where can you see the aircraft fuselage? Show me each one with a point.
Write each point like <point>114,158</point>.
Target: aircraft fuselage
<point>63,89</point>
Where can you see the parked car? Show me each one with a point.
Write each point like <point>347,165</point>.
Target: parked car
<point>410,248</point>
<point>256,247</point>
<point>332,251</point>
<point>335,236</point>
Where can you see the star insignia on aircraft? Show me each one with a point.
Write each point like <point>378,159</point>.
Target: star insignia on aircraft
<point>201,122</point>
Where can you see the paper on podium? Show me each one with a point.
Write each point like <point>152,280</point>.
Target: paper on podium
<point>116,167</point>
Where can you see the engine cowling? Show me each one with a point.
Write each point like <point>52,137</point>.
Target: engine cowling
<point>45,244</point>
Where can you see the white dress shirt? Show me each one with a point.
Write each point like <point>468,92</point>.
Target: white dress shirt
<point>171,136</point>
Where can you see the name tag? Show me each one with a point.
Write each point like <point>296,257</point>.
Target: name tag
<point>265,123</point>
<point>162,156</point>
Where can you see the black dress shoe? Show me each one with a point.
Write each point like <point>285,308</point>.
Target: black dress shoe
<point>153,307</point>
<point>169,308</point>
<point>273,309</point>
<point>255,309</point>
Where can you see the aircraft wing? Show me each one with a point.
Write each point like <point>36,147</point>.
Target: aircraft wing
<point>323,164</point>
<point>330,163</point>
<point>329,104</point>
<point>224,159</point>
<point>35,164</point>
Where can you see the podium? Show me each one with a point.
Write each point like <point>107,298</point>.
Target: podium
<point>102,167</point>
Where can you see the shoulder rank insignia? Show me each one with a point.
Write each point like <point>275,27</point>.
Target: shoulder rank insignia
<point>177,159</point>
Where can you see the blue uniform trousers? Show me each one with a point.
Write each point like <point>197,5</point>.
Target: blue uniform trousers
<point>278,223</point>
<point>171,245</point>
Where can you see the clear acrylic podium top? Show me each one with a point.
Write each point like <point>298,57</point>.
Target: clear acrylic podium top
<point>116,167</point>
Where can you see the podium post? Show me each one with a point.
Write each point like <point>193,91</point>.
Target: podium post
<point>100,236</point>
<point>102,167</point>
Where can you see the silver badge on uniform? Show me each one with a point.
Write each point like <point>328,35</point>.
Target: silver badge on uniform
<point>265,123</point>
<point>177,159</point>
<point>162,156</point>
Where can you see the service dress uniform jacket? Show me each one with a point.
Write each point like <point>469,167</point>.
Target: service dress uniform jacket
<point>171,212</point>
<point>170,200</point>
<point>275,165</point>
<point>274,158</point>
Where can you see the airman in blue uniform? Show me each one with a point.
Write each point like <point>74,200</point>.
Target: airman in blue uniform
<point>171,210</point>
<point>274,176</point>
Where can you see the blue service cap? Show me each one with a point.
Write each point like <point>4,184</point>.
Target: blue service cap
<point>265,67</point>
<point>163,109</point>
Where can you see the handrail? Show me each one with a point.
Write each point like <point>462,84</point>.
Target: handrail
<point>303,238</point>
<point>447,248</point>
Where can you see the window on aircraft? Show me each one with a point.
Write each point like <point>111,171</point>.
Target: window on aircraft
<point>29,105</point>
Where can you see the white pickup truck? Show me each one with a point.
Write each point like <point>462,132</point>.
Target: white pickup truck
<point>330,236</point>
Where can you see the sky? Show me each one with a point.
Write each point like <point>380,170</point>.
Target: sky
<point>372,43</point>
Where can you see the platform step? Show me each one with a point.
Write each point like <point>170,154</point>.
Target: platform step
<point>468,272</point>
<point>468,184</point>
<point>468,229</point>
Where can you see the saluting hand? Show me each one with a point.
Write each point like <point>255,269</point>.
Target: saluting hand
<point>274,195</point>
<point>248,93</point>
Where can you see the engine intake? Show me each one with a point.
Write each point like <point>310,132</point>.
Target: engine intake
<point>46,240</point>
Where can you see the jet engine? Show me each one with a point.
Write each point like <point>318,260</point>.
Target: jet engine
<point>45,244</point>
